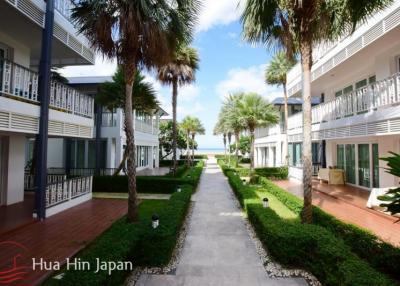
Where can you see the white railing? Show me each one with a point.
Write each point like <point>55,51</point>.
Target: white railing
<point>63,191</point>
<point>21,83</point>
<point>143,126</point>
<point>369,98</point>
<point>64,7</point>
<point>269,131</point>
<point>29,180</point>
<point>109,119</point>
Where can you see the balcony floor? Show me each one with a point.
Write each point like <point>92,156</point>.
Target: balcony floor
<point>17,215</point>
<point>348,204</point>
<point>59,236</point>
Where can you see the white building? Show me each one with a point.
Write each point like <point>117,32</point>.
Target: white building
<point>71,112</point>
<point>79,155</point>
<point>358,81</point>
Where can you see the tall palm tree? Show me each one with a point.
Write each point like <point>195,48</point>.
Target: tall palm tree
<point>139,34</point>
<point>297,26</point>
<point>179,71</point>
<point>188,124</point>
<point>254,111</point>
<point>220,128</point>
<point>197,130</point>
<point>112,95</point>
<point>276,73</point>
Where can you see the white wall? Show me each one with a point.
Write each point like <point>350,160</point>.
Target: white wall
<point>15,168</point>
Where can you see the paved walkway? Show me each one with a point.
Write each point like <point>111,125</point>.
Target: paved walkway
<point>218,249</point>
<point>353,212</point>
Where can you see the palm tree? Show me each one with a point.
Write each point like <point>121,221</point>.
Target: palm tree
<point>139,34</point>
<point>297,26</point>
<point>233,122</point>
<point>276,73</point>
<point>179,71</point>
<point>112,95</point>
<point>199,129</point>
<point>188,124</point>
<point>254,111</point>
<point>220,129</point>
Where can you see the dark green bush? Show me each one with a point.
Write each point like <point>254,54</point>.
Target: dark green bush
<point>273,172</point>
<point>198,157</point>
<point>381,255</point>
<point>312,247</point>
<point>138,242</point>
<point>148,184</point>
<point>168,163</point>
<point>245,160</point>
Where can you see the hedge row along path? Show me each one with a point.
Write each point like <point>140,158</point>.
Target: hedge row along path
<point>218,249</point>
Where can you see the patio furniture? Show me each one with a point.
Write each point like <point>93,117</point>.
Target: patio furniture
<point>332,176</point>
<point>373,201</point>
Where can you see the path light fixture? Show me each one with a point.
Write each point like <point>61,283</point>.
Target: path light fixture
<point>178,189</point>
<point>244,181</point>
<point>265,203</point>
<point>155,221</point>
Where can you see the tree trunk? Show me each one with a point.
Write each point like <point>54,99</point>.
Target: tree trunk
<point>187,149</point>
<point>306,63</point>
<point>224,138</point>
<point>285,126</point>
<point>174,125</point>
<point>237,138</point>
<point>251,151</point>
<point>193,136</point>
<point>122,163</point>
<point>131,151</point>
<point>229,148</point>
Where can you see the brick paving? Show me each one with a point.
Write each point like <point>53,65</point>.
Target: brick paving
<point>349,204</point>
<point>58,237</point>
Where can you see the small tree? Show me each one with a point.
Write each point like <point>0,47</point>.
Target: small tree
<point>393,196</point>
<point>165,138</point>
<point>188,125</point>
<point>198,129</point>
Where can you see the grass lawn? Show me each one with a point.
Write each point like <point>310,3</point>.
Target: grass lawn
<point>276,205</point>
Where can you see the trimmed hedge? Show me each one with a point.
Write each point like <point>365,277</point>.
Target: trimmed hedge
<point>168,163</point>
<point>381,255</point>
<point>198,157</point>
<point>273,172</point>
<point>311,247</point>
<point>148,184</point>
<point>138,242</point>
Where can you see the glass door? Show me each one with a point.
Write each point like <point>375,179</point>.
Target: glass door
<point>340,157</point>
<point>364,165</point>
<point>375,166</point>
<point>350,160</point>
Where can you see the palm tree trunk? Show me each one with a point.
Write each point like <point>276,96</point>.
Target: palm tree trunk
<point>224,138</point>
<point>193,136</point>
<point>237,148</point>
<point>187,149</point>
<point>251,151</point>
<point>306,63</point>
<point>285,126</point>
<point>122,163</point>
<point>229,147</point>
<point>131,151</point>
<point>174,127</point>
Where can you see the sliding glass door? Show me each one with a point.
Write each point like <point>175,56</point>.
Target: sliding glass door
<point>364,178</point>
<point>346,160</point>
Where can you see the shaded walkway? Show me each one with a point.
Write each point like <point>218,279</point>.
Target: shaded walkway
<point>218,249</point>
<point>351,210</point>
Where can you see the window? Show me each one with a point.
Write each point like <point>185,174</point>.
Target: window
<point>372,79</point>
<point>398,64</point>
<point>295,153</point>
<point>375,166</point>
<point>363,165</point>
<point>361,83</point>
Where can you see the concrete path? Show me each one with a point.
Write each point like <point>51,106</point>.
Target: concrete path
<point>218,249</point>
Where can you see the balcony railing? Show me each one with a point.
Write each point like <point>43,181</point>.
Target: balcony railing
<point>64,7</point>
<point>21,83</point>
<point>63,191</point>
<point>369,98</point>
<point>108,119</point>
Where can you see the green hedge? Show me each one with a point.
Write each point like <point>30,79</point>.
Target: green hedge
<point>273,172</point>
<point>379,254</point>
<point>138,242</point>
<point>196,157</point>
<point>168,163</point>
<point>311,247</point>
<point>148,184</point>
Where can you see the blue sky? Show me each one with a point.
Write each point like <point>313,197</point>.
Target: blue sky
<point>227,65</point>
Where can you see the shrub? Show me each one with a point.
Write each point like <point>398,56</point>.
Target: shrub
<point>168,163</point>
<point>198,157</point>
<point>381,255</point>
<point>245,160</point>
<point>138,242</point>
<point>273,172</point>
<point>312,247</point>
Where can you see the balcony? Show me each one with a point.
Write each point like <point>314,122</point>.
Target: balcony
<point>364,111</point>
<point>20,83</point>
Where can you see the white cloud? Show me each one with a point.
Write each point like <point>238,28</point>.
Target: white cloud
<point>247,80</point>
<point>102,67</point>
<point>219,12</point>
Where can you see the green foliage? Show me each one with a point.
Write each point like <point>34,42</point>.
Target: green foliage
<point>244,145</point>
<point>278,68</point>
<point>148,184</point>
<point>135,242</point>
<point>393,196</point>
<point>168,163</point>
<point>313,247</point>
<point>280,173</point>
<point>112,94</point>
<point>196,157</point>
<point>165,137</point>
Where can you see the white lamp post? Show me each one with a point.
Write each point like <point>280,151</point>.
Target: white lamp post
<point>155,221</point>
<point>265,203</point>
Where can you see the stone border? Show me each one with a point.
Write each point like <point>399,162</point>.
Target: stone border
<point>170,269</point>
<point>272,268</point>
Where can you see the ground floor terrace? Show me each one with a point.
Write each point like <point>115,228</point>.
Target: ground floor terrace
<point>56,238</point>
<point>348,203</point>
